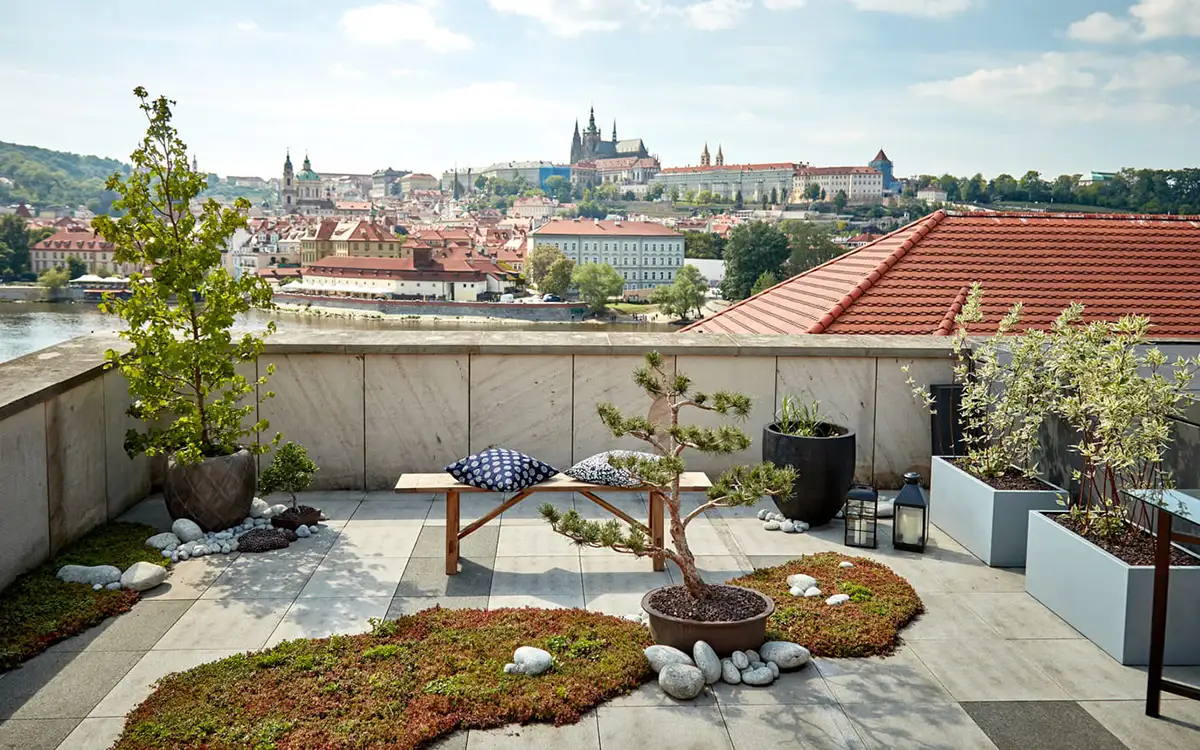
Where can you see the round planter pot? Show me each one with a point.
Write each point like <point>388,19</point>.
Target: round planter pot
<point>215,493</point>
<point>725,637</point>
<point>310,518</point>
<point>824,468</point>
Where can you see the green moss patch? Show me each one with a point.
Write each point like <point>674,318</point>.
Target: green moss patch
<point>38,610</point>
<point>406,683</point>
<point>881,603</point>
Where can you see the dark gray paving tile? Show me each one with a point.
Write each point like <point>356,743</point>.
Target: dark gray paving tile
<point>407,605</point>
<point>480,545</point>
<point>1020,725</point>
<point>34,734</point>
<point>63,685</point>
<point>426,576</point>
<point>136,630</point>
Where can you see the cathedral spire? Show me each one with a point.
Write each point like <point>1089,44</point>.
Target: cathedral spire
<point>720,156</point>
<point>614,130</point>
<point>592,121</point>
<point>704,157</point>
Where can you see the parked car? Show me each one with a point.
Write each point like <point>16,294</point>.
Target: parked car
<point>552,298</point>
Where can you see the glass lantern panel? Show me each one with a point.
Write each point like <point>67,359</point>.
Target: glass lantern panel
<point>859,533</point>
<point>910,525</point>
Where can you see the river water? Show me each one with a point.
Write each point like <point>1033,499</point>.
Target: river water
<point>27,327</point>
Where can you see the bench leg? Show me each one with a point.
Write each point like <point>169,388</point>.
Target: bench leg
<point>657,530</point>
<point>452,532</point>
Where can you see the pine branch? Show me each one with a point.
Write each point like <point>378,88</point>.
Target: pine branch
<point>600,534</point>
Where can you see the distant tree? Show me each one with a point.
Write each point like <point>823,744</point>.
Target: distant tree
<point>704,197</point>
<point>809,245</point>
<point>765,281</point>
<point>689,196</point>
<point>752,248</point>
<point>812,191</point>
<point>1033,187</point>
<point>558,277</point>
<point>774,197</point>
<point>840,200</point>
<point>104,273</point>
<point>823,194</point>
<point>608,192</point>
<point>703,245</point>
<point>14,244</point>
<point>655,191</point>
<point>75,267</point>
<point>558,188</point>
<point>538,263</point>
<point>481,183</point>
<point>764,201</point>
<point>1063,190</point>
<point>684,295</point>
<point>673,194</point>
<point>54,278</point>
<point>597,282</point>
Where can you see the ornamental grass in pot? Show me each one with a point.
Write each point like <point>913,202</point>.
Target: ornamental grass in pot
<point>822,454</point>
<point>982,499</point>
<point>729,618</point>
<point>183,358</point>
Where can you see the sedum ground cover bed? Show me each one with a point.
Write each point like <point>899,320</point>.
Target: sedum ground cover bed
<point>881,603</point>
<point>38,610</point>
<point>406,683</point>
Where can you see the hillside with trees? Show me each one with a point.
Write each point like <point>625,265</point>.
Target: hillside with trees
<point>40,177</point>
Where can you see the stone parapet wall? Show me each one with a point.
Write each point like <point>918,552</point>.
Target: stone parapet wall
<point>372,405</point>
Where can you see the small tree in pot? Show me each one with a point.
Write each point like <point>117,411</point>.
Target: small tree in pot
<point>290,471</point>
<point>727,617</point>
<point>182,366</point>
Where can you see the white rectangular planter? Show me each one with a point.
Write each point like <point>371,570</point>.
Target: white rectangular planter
<point>990,523</point>
<point>1107,600</point>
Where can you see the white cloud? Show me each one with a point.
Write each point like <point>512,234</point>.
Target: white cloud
<point>415,21</point>
<point>712,15</point>
<point>1074,86</point>
<point>925,8</point>
<point>246,26</point>
<point>1146,20</point>
<point>784,4</point>
<point>341,70</point>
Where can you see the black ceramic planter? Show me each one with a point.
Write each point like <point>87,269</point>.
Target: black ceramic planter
<point>824,468</point>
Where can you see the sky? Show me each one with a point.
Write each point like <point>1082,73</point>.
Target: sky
<point>960,86</point>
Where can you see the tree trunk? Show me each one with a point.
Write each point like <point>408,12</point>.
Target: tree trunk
<point>683,554</point>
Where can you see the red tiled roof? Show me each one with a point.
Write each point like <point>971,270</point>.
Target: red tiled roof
<point>362,267</point>
<point>75,239</point>
<point>571,227</point>
<point>912,281</point>
<point>729,167</point>
<point>815,171</point>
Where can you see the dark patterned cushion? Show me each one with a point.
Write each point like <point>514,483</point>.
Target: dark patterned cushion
<point>501,470</point>
<point>596,470</point>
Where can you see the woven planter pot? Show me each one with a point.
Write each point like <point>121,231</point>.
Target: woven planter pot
<point>215,493</point>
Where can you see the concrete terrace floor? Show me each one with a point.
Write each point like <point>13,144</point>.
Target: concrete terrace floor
<point>986,667</point>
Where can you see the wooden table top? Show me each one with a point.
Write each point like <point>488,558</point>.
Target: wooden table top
<point>689,481</point>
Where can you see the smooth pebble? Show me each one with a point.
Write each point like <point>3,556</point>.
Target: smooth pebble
<point>739,659</point>
<point>707,661</point>
<point>837,599</point>
<point>758,677</point>
<point>730,673</point>
<point>681,681</point>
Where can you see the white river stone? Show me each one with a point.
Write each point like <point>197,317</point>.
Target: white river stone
<point>707,661</point>
<point>660,656</point>
<point>681,681</point>
<point>785,654</point>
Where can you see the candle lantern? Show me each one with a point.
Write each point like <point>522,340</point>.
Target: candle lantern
<point>910,527</point>
<point>862,514</point>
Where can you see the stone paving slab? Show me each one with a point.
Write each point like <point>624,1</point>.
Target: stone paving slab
<point>895,724</point>
<point>63,685</point>
<point>136,630</point>
<point>35,734</point>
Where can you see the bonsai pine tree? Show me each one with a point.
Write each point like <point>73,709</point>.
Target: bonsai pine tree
<point>182,366</point>
<point>290,471</point>
<point>741,485</point>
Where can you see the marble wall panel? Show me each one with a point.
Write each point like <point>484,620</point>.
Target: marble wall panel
<point>319,403</point>
<point>753,376</point>
<point>608,379</point>
<point>24,503</point>
<point>845,388</point>
<point>128,480</point>
<point>76,452</point>
<point>417,414</point>
<point>902,429</point>
<point>523,403</point>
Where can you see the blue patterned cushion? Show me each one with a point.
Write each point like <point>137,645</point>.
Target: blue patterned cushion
<point>597,470</point>
<point>501,470</point>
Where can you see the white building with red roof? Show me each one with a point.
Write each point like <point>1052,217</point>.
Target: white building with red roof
<point>753,181</point>
<point>421,275</point>
<point>646,254</point>
<point>83,244</point>
<point>858,183</point>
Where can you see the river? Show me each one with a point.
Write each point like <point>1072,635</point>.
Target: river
<point>27,327</point>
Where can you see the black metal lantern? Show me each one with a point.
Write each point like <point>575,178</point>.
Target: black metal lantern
<point>862,516</point>
<point>910,524</point>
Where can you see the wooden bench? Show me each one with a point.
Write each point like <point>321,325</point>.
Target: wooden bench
<point>442,483</point>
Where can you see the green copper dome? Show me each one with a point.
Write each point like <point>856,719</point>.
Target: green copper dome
<point>307,174</point>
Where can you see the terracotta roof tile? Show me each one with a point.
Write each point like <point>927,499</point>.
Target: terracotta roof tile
<point>572,227</point>
<point>912,281</point>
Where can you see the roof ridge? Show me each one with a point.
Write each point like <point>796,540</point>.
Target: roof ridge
<point>947,324</point>
<point>1072,215</point>
<point>922,228</point>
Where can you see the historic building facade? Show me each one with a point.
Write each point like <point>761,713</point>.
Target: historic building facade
<point>590,145</point>
<point>304,192</point>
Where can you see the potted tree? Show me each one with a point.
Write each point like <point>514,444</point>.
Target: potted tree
<point>982,499</point>
<point>729,618</point>
<point>182,363</point>
<point>290,471</point>
<point>821,452</point>
<point>1092,564</point>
